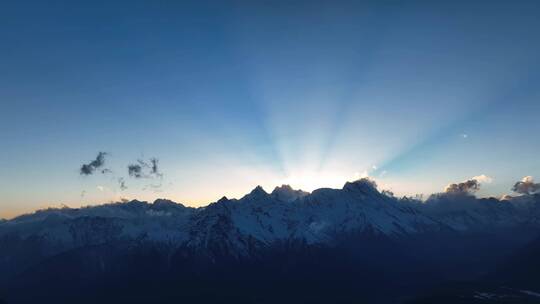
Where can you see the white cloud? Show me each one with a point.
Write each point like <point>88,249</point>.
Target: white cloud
<point>526,186</point>
<point>365,173</point>
<point>362,174</point>
<point>527,179</point>
<point>484,179</point>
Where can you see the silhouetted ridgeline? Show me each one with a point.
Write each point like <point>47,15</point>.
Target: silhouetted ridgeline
<point>345,245</point>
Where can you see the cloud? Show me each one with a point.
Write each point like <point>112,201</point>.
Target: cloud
<point>457,196</point>
<point>526,186</point>
<point>135,170</point>
<point>363,174</point>
<point>466,187</point>
<point>122,184</point>
<point>484,179</point>
<point>154,167</point>
<point>88,169</point>
<point>143,169</point>
<point>366,173</point>
<point>469,186</point>
<point>140,169</point>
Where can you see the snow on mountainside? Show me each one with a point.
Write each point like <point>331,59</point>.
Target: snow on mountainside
<point>464,212</point>
<point>360,207</point>
<point>260,219</point>
<point>163,220</point>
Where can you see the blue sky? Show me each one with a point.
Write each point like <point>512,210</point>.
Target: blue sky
<point>232,94</point>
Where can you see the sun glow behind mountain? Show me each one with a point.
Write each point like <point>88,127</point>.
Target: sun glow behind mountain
<point>233,96</point>
<point>310,181</point>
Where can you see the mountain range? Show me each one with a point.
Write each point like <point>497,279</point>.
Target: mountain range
<point>347,245</point>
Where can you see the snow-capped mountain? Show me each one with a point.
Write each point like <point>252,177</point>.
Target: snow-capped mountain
<point>463,212</point>
<point>260,218</point>
<point>284,233</point>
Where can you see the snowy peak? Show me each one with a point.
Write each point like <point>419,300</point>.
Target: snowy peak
<point>362,185</point>
<point>258,191</point>
<point>223,200</point>
<point>165,203</point>
<point>256,194</point>
<point>166,207</point>
<point>286,193</point>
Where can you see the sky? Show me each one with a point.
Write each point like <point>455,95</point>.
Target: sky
<point>228,95</point>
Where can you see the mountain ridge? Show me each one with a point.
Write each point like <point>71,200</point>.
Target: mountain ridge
<point>507,211</point>
<point>283,215</point>
<point>355,232</point>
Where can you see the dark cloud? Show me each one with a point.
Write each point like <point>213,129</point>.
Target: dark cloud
<point>88,169</point>
<point>143,169</point>
<point>122,184</point>
<point>135,170</point>
<point>466,187</point>
<point>526,186</point>
<point>154,169</point>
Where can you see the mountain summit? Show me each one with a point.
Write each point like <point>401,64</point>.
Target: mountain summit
<point>355,233</point>
<point>286,193</point>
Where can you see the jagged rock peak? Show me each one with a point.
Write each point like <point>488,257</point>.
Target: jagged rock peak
<point>165,203</point>
<point>223,199</point>
<point>258,191</point>
<point>283,188</point>
<point>162,201</point>
<point>363,185</point>
<point>133,204</point>
<point>287,194</point>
